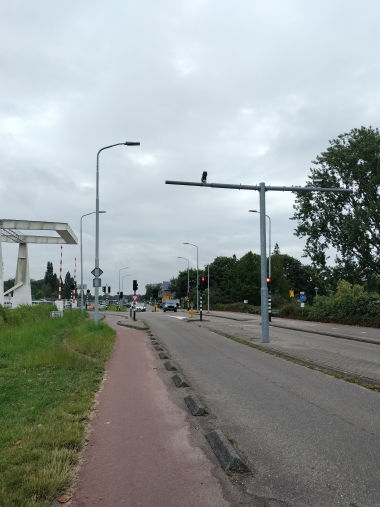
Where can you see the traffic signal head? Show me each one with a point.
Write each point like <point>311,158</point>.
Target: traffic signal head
<point>203,284</point>
<point>120,295</point>
<point>104,289</point>
<point>135,285</point>
<point>88,291</point>
<point>109,290</point>
<point>268,282</point>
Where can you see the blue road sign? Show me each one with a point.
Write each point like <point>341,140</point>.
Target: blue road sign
<point>303,297</point>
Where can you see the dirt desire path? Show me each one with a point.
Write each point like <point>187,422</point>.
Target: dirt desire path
<point>142,449</point>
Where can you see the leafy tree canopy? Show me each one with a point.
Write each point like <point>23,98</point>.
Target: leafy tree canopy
<point>347,222</point>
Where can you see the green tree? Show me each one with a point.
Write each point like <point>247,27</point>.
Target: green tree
<point>50,288</point>
<point>347,222</point>
<point>223,280</point>
<point>67,284</point>
<point>248,279</point>
<point>149,288</point>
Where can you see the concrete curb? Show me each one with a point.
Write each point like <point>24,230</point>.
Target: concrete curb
<point>169,366</point>
<point>225,452</point>
<point>194,405</point>
<point>179,381</point>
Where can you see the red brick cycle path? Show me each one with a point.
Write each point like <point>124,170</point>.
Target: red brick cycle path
<point>140,450</point>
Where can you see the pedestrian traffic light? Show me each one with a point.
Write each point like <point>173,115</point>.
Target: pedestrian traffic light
<point>268,282</point>
<point>135,285</point>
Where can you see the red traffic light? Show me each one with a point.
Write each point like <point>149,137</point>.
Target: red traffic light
<point>203,278</point>
<point>268,279</point>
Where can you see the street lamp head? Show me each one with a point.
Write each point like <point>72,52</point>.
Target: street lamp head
<point>253,210</point>
<point>132,143</point>
<point>186,243</point>
<point>102,212</point>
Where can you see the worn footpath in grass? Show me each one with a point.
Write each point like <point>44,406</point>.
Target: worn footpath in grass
<point>50,370</point>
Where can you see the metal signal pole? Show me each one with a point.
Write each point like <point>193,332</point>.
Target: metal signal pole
<point>262,188</point>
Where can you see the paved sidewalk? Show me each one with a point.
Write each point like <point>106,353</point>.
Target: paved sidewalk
<point>142,451</point>
<point>346,356</point>
<point>360,333</point>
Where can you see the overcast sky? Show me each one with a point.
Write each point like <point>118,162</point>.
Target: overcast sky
<point>250,91</point>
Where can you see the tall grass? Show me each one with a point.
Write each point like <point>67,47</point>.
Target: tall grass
<point>49,372</point>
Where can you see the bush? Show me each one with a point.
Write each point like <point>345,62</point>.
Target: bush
<point>349,305</point>
<point>235,307</point>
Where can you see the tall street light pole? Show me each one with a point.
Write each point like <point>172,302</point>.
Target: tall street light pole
<point>188,280</point>
<point>81,258</point>
<point>97,280</point>
<point>122,281</point>
<point>121,269</point>
<point>270,235</point>
<point>196,246</point>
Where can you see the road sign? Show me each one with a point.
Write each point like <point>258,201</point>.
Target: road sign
<point>291,293</point>
<point>134,297</point>
<point>97,272</point>
<point>303,297</point>
<point>96,282</point>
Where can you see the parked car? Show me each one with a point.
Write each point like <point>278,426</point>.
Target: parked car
<point>140,307</point>
<point>169,305</point>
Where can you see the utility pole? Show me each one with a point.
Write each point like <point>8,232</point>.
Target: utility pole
<point>262,188</point>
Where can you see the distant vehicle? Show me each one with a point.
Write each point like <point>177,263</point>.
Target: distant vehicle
<point>168,305</point>
<point>140,307</point>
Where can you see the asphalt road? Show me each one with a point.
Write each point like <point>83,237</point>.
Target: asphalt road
<point>309,438</point>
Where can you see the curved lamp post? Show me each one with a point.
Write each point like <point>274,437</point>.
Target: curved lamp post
<point>97,274</point>
<point>81,259</point>
<point>188,281</point>
<point>196,246</point>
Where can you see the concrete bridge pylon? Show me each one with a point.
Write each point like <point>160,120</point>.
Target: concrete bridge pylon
<point>10,231</point>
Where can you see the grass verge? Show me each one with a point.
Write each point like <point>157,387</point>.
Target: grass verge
<point>50,370</point>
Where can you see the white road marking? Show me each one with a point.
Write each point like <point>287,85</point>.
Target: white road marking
<point>175,317</point>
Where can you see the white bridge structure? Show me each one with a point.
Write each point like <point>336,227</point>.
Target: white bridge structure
<point>17,231</point>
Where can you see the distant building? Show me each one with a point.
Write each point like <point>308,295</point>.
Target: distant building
<point>165,293</point>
